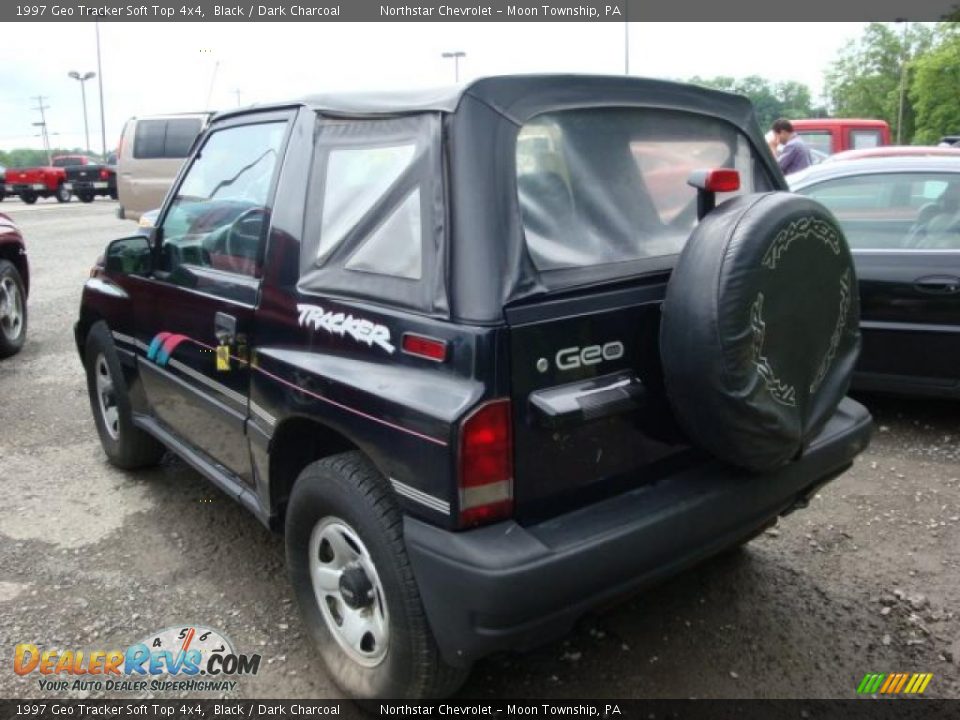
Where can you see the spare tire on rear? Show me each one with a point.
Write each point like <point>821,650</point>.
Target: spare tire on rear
<point>760,328</point>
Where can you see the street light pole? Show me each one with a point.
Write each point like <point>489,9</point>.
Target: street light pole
<point>456,55</point>
<point>903,78</point>
<point>83,93</point>
<point>103,119</point>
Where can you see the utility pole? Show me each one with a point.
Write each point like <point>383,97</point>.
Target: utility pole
<point>903,77</point>
<point>103,118</point>
<point>43,126</point>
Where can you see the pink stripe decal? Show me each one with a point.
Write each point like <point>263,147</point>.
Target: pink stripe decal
<point>359,413</point>
<point>428,438</point>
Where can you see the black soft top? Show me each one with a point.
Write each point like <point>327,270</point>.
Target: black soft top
<point>518,97</point>
<point>480,122</point>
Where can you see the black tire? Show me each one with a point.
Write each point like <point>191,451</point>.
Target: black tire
<point>13,329</point>
<point>28,197</point>
<point>125,445</point>
<point>113,194</point>
<point>348,489</point>
<point>62,194</point>
<point>86,197</point>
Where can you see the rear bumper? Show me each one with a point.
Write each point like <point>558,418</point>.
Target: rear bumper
<point>97,187</point>
<point>507,587</point>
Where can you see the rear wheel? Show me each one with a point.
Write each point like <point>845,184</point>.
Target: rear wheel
<point>28,197</point>
<point>13,310</point>
<point>113,194</point>
<point>62,194</point>
<point>126,445</point>
<point>86,197</point>
<point>355,586</point>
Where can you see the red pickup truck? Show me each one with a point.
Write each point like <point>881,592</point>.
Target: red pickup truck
<point>31,183</point>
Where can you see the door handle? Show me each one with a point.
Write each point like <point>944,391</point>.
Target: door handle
<point>225,328</point>
<point>938,284</point>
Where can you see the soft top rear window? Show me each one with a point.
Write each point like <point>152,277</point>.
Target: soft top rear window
<point>608,187</point>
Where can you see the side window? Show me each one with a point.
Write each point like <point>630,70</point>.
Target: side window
<point>375,226</point>
<point>148,139</point>
<point>895,211</point>
<point>357,180</point>
<point>181,132</point>
<point>220,212</point>
<point>819,140</point>
<point>864,139</point>
<point>165,138</point>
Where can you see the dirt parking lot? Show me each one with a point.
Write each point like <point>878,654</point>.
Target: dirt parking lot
<point>867,579</point>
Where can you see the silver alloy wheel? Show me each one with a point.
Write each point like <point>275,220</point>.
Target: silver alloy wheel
<point>337,559</point>
<point>11,309</point>
<point>107,397</point>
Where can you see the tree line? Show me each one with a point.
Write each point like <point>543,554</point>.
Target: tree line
<point>865,81</point>
<point>29,157</point>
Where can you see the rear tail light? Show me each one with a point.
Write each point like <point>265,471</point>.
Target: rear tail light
<point>486,464</point>
<point>104,174</point>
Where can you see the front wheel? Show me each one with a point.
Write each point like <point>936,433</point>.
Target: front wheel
<point>86,197</point>
<point>355,586</point>
<point>126,445</point>
<point>63,195</point>
<point>13,310</point>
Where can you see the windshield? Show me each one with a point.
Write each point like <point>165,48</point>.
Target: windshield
<point>609,186</point>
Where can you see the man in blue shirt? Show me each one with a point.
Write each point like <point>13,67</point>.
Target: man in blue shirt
<point>794,153</point>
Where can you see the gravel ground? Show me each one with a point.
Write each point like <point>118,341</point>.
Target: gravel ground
<point>867,579</point>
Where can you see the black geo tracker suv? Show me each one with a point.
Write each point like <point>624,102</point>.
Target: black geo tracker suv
<point>487,356</point>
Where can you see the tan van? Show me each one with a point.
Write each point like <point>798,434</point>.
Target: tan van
<point>150,154</point>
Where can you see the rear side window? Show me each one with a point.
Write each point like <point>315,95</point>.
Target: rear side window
<point>895,210</point>
<point>356,180</point>
<point>376,227</point>
<point>165,138</point>
<point>181,132</point>
<point>609,186</point>
<point>860,139</point>
<point>819,140</point>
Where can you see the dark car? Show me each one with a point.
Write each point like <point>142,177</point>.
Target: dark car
<point>901,216</point>
<point>475,359</point>
<point>14,287</point>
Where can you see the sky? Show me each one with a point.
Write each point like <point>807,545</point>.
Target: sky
<point>177,67</point>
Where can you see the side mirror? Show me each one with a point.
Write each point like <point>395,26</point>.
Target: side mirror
<point>129,256</point>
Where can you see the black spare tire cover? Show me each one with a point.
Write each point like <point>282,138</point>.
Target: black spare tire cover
<point>760,328</point>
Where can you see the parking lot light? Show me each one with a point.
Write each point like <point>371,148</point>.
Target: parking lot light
<point>83,92</point>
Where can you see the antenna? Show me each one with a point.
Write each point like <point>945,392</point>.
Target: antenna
<point>213,78</point>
